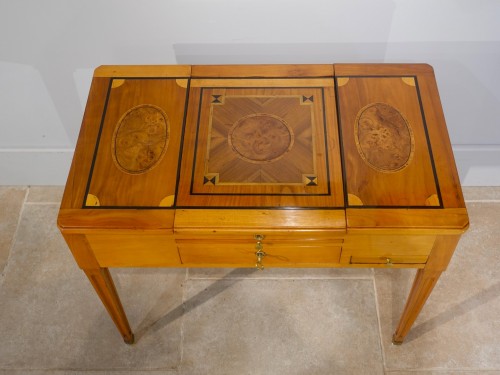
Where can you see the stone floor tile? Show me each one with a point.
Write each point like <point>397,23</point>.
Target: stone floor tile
<point>11,202</point>
<point>88,372</point>
<point>51,318</point>
<point>459,325</point>
<point>291,327</point>
<point>43,194</point>
<point>444,372</point>
<point>281,273</point>
<point>481,193</point>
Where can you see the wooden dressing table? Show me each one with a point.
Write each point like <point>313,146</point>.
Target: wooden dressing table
<point>346,165</point>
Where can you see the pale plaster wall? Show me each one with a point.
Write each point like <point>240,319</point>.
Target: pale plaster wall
<point>48,50</point>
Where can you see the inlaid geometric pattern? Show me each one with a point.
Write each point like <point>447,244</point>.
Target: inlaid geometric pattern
<point>261,143</point>
<point>261,140</point>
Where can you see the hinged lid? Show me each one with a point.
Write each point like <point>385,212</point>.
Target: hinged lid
<point>128,150</point>
<point>396,151</point>
<point>261,138</point>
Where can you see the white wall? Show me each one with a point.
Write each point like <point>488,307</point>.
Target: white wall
<point>48,50</point>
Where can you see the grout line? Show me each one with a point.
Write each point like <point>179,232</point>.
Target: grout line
<point>444,370</point>
<point>482,201</point>
<point>283,278</point>
<point>63,371</point>
<point>14,237</point>
<point>41,203</point>
<point>381,343</point>
<point>183,299</point>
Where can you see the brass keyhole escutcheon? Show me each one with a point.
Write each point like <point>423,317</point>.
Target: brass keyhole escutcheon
<point>260,252</point>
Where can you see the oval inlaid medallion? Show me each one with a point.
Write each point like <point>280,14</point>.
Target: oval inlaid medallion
<point>260,138</point>
<point>140,139</point>
<point>384,138</point>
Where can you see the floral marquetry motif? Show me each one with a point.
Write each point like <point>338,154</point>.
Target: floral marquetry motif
<point>384,137</point>
<point>140,139</point>
<point>260,138</point>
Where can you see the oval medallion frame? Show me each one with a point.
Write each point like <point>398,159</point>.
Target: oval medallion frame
<point>384,137</point>
<point>263,148</point>
<point>140,139</point>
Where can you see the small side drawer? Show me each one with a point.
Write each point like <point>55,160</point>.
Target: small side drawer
<point>389,260</point>
<point>387,249</point>
<point>241,253</point>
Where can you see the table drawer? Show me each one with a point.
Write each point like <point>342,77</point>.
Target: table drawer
<point>389,260</point>
<point>242,253</point>
<point>397,249</point>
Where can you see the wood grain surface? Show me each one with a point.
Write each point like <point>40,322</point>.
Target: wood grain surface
<point>345,165</point>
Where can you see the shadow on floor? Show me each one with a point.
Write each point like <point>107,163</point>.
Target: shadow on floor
<point>459,309</point>
<point>148,324</point>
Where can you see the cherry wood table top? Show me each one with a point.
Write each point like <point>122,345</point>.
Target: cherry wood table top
<point>333,165</point>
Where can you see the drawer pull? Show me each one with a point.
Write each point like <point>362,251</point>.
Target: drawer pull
<point>259,254</point>
<point>388,262</point>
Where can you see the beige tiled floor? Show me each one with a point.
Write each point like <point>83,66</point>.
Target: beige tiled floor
<point>222,321</point>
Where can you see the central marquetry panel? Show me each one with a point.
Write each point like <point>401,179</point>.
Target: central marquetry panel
<point>261,140</point>
<point>269,146</point>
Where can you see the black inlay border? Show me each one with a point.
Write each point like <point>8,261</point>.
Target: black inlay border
<point>98,140</point>
<point>424,122</point>
<point>328,181</point>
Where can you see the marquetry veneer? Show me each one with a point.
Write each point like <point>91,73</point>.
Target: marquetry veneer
<point>344,165</point>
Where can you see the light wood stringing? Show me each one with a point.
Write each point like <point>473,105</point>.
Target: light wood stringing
<point>178,236</point>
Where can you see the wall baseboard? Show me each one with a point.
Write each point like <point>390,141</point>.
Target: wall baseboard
<point>478,165</point>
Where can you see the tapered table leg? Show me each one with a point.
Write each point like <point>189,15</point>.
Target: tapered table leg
<point>422,287</point>
<point>424,282</point>
<point>103,284</point>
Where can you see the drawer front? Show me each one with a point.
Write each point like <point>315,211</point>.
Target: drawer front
<point>243,253</point>
<point>389,260</point>
<point>389,250</point>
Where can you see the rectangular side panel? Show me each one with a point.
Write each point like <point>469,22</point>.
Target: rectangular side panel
<point>134,250</point>
<point>387,159</point>
<point>137,153</point>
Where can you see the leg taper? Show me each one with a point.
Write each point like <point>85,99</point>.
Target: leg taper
<point>425,280</point>
<point>103,284</point>
<point>420,291</point>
